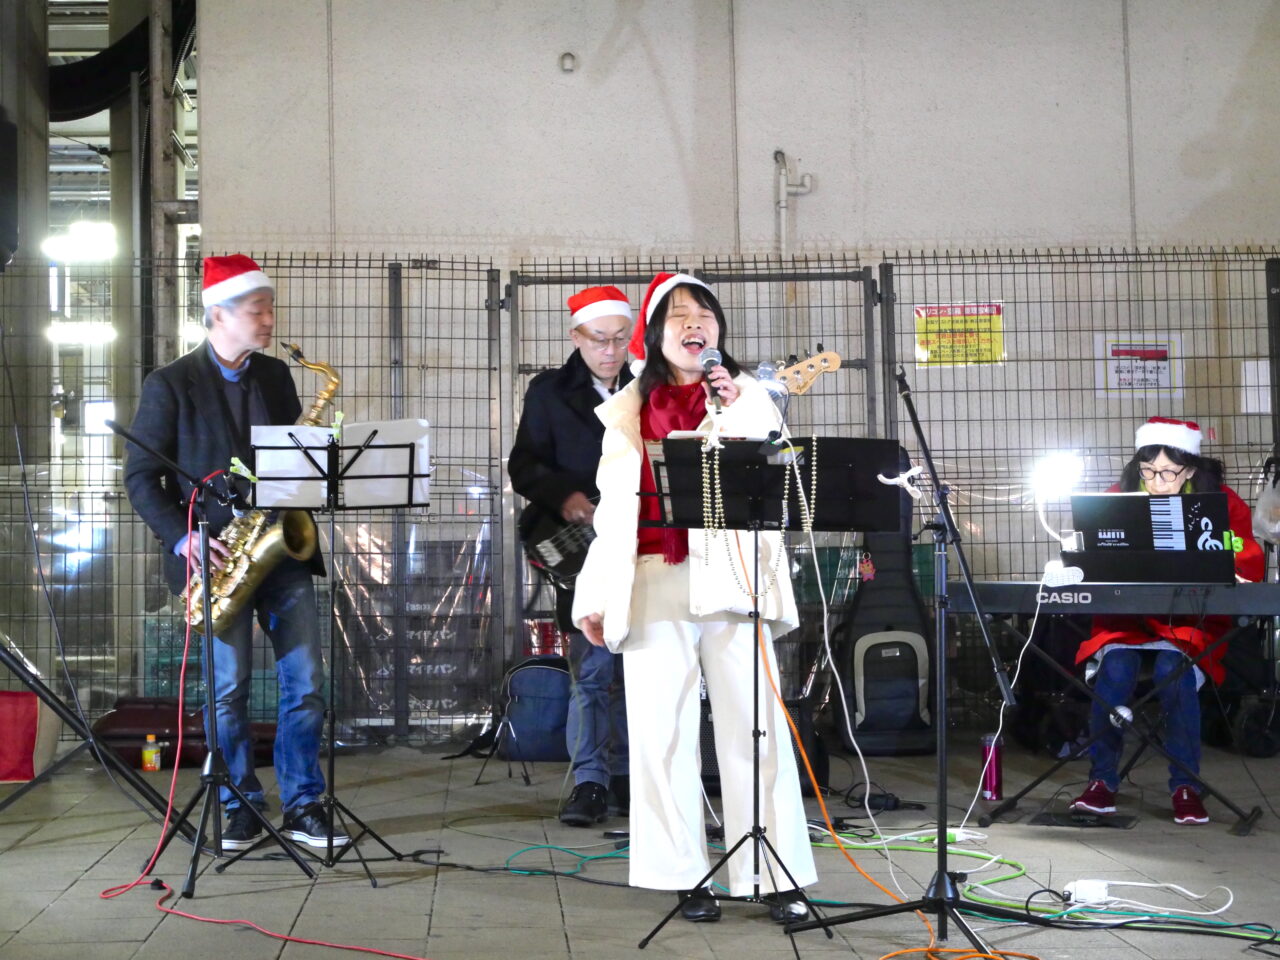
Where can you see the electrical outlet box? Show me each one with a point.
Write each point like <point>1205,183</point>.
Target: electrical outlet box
<point>1087,891</point>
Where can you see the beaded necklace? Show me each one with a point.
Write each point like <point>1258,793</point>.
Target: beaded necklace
<point>713,509</point>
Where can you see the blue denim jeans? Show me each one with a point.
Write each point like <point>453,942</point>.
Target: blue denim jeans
<point>285,604</point>
<point>596,729</point>
<point>1180,702</point>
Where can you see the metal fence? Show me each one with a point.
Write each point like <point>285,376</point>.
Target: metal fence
<point>418,647</point>
<point>1072,352</point>
<point>1008,357</point>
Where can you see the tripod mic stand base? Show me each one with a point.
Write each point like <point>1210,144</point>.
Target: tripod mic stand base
<point>945,905</point>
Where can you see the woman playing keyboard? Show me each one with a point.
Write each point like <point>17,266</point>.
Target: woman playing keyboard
<point>1167,462</point>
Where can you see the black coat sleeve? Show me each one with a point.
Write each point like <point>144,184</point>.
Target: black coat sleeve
<point>531,463</point>
<point>152,488</point>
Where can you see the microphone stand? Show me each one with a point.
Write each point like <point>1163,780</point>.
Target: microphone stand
<point>215,774</point>
<point>942,896</point>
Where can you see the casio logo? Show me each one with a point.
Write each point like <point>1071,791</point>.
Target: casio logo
<point>1066,597</point>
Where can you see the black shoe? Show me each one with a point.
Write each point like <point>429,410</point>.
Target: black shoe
<point>242,829</point>
<point>586,805</point>
<point>788,906</point>
<point>620,796</point>
<point>309,825</point>
<point>699,906</point>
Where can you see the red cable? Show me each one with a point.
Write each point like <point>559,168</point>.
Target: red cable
<point>116,891</point>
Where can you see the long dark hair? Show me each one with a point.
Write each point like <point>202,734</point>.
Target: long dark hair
<point>656,369</point>
<point>1207,478</point>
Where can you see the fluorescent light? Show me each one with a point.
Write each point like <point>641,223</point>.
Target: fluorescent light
<point>1056,476</point>
<point>88,333</point>
<point>86,241</point>
<point>94,415</point>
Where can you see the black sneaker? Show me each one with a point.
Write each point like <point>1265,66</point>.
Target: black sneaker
<point>242,830</point>
<point>309,825</point>
<point>587,805</point>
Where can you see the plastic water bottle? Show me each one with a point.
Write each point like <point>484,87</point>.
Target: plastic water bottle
<point>151,754</point>
<point>992,776</point>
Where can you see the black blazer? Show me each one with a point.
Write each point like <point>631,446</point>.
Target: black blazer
<point>182,415</point>
<point>557,446</point>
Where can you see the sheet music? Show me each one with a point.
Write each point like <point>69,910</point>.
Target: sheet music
<point>275,467</point>
<point>379,476</point>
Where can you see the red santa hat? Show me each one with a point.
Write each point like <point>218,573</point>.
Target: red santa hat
<point>659,287</point>
<point>1163,432</point>
<point>596,302</point>
<point>229,277</point>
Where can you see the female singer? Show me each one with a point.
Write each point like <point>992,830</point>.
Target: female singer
<point>677,604</point>
<point>1167,462</point>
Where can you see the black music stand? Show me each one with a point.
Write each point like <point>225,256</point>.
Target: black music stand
<point>214,774</point>
<point>942,897</point>
<point>295,465</point>
<point>1244,821</point>
<point>752,482</point>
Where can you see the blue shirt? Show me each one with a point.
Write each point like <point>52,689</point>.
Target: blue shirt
<point>228,373</point>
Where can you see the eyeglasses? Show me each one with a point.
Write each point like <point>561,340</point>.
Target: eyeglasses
<point>1167,476</point>
<point>601,344</point>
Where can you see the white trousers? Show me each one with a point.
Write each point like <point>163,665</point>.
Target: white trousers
<point>664,655</point>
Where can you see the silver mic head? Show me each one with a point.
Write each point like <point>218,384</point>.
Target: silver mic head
<point>767,374</point>
<point>710,357</point>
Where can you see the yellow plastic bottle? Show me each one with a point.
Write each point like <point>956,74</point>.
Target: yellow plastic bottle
<point>151,754</point>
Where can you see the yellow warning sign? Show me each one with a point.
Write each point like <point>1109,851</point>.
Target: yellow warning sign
<point>959,334</point>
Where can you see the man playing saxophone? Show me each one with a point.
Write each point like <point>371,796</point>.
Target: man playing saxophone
<point>198,411</point>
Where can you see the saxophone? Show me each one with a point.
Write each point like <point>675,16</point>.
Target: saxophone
<point>260,539</point>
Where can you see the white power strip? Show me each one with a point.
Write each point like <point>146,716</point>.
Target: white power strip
<point>1087,891</point>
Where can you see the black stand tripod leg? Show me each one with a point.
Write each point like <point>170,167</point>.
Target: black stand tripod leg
<point>44,774</point>
<point>207,810</point>
<point>105,754</point>
<point>706,878</point>
<point>1009,803</point>
<point>504,728</point>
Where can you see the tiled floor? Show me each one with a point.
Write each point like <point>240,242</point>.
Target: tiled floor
<point>72,837</point>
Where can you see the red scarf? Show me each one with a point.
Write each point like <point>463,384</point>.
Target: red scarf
<point>669,407</point>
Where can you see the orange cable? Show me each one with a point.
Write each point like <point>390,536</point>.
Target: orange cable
<point>932,950</point>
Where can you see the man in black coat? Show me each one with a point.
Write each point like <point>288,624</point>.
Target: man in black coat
<point>198,411</point>
<point>553,465</point>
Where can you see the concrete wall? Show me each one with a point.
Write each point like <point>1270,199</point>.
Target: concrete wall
<point>24,98</point>
<point>394,125</point>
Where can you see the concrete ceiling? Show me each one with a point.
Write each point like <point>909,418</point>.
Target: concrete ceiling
<point>79,161</point>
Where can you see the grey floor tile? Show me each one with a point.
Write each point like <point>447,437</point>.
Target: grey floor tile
<point>70,838</point>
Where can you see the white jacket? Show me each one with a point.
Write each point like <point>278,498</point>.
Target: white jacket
<point>605,582</point>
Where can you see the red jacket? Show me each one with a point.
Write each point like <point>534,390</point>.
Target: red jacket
<point>1192,634</point>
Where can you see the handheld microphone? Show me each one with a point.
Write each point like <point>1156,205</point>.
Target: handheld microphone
<point>711,357</point>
